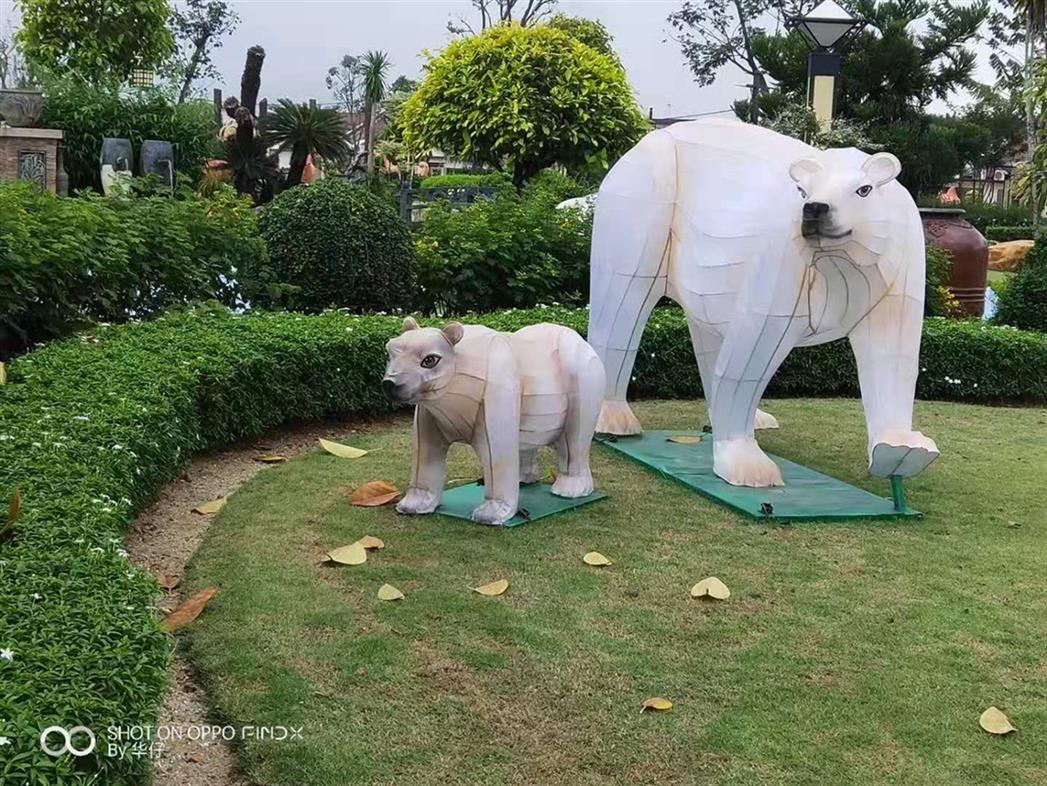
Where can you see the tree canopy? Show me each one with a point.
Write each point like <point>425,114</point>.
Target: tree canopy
<point>527,98</point>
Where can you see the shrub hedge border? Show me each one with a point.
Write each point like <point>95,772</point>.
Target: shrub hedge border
<point>91,428</point>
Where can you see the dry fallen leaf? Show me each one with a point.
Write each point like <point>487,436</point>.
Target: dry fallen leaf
<point>596,559</point>
<point>14,509</point>
<point>684,439</point>
<point>375,493</point>
<point>168,582</point>
<point>189,610</point>
<point>3,374</point>
<point>270,458</point>
<point>353,554</point>
<point>371,542</point>
<point>207,508</point>
<point>656,703</point>
<point>389,592</point>
<point>340,450</point>
<point>995,722</point>
<point>711,587</point>
<point>492,589</point>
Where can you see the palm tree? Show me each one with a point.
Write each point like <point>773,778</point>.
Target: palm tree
<point>373,68</point>
<point>305,130</point>
<point>1035,12</point>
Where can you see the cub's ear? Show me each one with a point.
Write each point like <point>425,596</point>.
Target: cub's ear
<point>454,332</point>
<point>804,170</point>
<point>882,168</point>
<point>409,324</point>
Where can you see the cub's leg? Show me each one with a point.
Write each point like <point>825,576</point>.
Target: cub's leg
<point>428,468</point>
<point>585,388</point>
<point>529,470</point>
<point>497,438</point>
<point>629,264</point>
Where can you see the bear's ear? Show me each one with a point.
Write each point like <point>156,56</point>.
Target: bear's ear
<point>409,324</point>
<point>882,168</point>
<point>454,332</point>
<point>804,170</point>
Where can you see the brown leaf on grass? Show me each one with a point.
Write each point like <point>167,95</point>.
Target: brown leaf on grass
<point>389,592</point>
<point>342,451</point>
<point>656,704</point>
<point>270,458</point>
<point>371,542</point>
<point>995,722</point>
<point>168,582</point>
<point>210,508</point>
<point>711,587</point>
<point>189,610</point>
<point>3,374</point>
<point>596,559</point>
<point>684,439</point>
<point>374,494</point>
<point>353,554</point>
<point>14,508</point>
<point>492,589</point>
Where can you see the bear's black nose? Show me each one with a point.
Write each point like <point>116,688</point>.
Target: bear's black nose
<point>812,211</point>
<point>389,387</point>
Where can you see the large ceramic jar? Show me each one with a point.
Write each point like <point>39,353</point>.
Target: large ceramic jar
<point>948,229</point>
<point>21,108</point>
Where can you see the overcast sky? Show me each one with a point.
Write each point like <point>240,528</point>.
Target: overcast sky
<point>303,38</point>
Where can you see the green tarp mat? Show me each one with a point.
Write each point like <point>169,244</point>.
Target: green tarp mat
<point>535,498</point>
<point>807,495</point>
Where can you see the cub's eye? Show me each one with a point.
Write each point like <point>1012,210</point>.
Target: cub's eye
<point>864,191</point>
<point>802,192</point>
<point>430,361</point>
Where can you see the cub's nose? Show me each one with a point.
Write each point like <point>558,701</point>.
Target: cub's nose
<point>813,211</point>
<point>389,387</point>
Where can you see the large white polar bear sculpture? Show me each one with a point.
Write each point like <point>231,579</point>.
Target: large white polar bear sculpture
<point>767,244</point>
<point>506,394</point>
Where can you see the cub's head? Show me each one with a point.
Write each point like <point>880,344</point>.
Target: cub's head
<point>421,362</point>
<point>842,195</point>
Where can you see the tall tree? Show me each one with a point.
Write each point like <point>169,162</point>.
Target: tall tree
<point>493,12</point>
<point>345,81</point>
<point>1035,14</point>
<point>198,27</point>
<point>97,39</point>
<point>12,69</point>
<point>373,69</point>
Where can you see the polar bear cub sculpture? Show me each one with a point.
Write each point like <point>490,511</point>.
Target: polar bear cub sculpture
<point>506,394</point>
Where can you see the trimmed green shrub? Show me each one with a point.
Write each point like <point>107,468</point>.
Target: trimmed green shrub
<point>336,245</point>
<point>90,431</point>
<point>68,262</point>
<point>983,217</point>
<point>1023,301</point>
<point>938,300</point>
<point>491,180</point>
<point>1004,234</point>
<point>88,113</point>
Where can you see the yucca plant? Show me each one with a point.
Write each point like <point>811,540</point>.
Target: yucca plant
<point>305,130</point>
<point>373,68</point>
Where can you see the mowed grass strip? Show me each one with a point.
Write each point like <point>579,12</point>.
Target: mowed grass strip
<point>858,653</point>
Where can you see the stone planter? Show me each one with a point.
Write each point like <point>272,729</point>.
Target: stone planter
<point>948,229</point>
<point>21,108</point>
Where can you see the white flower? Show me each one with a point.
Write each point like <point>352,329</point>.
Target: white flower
<point>8,655</point>
<point>4,741</point>
<point>36,596</point>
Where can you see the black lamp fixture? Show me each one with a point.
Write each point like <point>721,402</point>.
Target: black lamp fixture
<point>828,28</point>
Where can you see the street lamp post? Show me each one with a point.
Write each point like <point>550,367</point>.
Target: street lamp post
<point>828,28</point>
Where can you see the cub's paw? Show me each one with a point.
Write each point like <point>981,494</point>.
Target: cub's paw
<point>572,486</point>
<point>494,512</point>
<point>741,462</point>
<point>902,453</point>
<point>616,417</point>
<point>418,501</point>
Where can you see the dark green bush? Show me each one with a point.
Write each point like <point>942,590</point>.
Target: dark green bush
<point>985,216</point>
<point>512,251</point>
<point>1004,234</point>
<point>88,113</point>
<point>332,244</point>
<point>938,301</point>
<point>72,261</point>
<point>490,180</point>
<point>1023,301</point>
<point>90,431</point>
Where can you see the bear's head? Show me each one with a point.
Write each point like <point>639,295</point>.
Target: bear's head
<point>844,194</point>
<point>421,362</point>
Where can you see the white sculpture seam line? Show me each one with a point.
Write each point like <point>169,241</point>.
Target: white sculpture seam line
<point>754,234</point>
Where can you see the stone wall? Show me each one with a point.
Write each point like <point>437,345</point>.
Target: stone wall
<point>30,154</point>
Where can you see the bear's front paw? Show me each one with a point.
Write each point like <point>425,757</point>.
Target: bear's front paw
<point>741,462</point>
<point>573,486</point>
<point>418,502</point>
<point>494,512</point>
<point>902,453</point>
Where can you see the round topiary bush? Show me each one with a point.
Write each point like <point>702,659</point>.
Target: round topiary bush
<point>1023,303</point>
<point>336,245</point>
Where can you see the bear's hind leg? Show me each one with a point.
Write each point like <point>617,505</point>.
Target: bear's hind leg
<point>585,388</point>
<point>529,470</point>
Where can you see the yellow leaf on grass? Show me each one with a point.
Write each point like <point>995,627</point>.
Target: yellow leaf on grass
<point>371,542</point>
<point>375,493</point>
<point>389,592</point>
<point>14,509</point>
<point>596,559</point>
<point>270,458</point>
<point>711,587</point>
<point>684,439</point>
<point>340,450</point>
<point>995,722</point>
<point>353,554</point>
<point>492,589</point>
<point>3,374</point>
<point>656,703</point>
<point>207,508</point>
<point>189,610</point>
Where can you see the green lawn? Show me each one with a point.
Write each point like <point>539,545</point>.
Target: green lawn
<point>847,654</point>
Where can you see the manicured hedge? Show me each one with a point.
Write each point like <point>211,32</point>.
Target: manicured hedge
<point>90,430</point>
<point>1005,234</point>
<point>489,180</point>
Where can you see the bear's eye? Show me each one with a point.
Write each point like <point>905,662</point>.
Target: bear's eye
<point>430,361</point>
<point>864,191</point>
<point>802,192</point>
